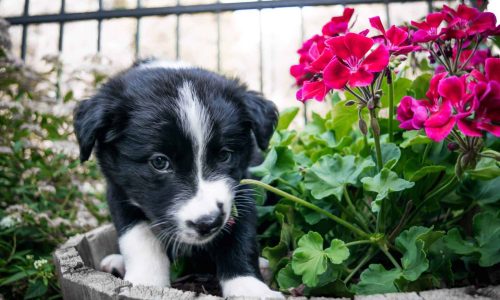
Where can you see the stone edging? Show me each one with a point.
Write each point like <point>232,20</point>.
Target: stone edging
<point>76,260</point>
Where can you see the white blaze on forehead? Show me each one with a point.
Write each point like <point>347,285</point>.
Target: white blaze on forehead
<point>195,123</point>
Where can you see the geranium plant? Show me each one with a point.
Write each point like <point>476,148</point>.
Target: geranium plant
<point>408,201</point>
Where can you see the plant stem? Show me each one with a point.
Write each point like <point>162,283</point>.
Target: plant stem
<point>426,152</point>
<point>371,252</point>
<point>306,204</point>
<point>376,138</point>
<point>389,256</point>
<point>360,242</point>
<point>361,219</point>
<point>456,62</point>
<point>391,104</point>
<point>470,56</point>
<point>434,193</point>
<point>355,94</point>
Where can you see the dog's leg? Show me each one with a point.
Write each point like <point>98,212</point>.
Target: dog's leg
<point>146,261</point>
<point>237,263</point>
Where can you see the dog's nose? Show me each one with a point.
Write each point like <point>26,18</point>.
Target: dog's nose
<point>207,224</point>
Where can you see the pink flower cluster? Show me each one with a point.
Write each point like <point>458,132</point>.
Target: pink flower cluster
<point>471,101</point>
<point>339,58</point>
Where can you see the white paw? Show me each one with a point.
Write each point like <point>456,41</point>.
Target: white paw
<point>113,264</point>
<point>250,287</point>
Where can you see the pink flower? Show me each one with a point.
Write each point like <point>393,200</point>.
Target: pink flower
<point>338,25</point>
<point>466,21</point>
<point>476,61</point>
<point>312,90</point>
<point>396,39</point>
<point>454,90</point>
<point>428,29</point>
<point>301,71</point>
<point>488,113</point>
<point>439,124</point>
<point>353,64</point>
<point>411,113</point>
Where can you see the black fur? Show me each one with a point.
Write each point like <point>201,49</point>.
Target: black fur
<point>132,117</point>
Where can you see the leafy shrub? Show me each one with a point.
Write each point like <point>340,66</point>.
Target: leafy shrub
<point>45,196</point>
<point>385,209</point>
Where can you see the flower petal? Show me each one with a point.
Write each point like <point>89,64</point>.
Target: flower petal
<point>396,35</point>
<point>492,69</point>
<point>377,24</point>
<point>357,44</point>
<point>452,88</point>
<point>314,90</point>
<point>377,60</point>
<point>338,46</point>
<point>468,128</point>
<point>336,74</point>
<point>360,78</point>
<point>434,19</point>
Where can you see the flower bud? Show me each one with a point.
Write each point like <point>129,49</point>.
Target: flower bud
<point>453,146</point>
<point>371,104</point>
<point>362,126</point>
<point>375,126</point>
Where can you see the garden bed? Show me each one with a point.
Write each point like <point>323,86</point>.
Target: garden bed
<point>77,259</point>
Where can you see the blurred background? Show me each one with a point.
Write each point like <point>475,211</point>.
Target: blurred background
<point>254,40</point>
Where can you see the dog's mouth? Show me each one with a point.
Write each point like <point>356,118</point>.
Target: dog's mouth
<point>206,235</point>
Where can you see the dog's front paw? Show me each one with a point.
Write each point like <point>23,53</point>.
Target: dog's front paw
<point>250,287</point>
<point>113,264</point>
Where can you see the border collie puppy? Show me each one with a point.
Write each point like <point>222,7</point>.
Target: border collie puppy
<point>173,143</point>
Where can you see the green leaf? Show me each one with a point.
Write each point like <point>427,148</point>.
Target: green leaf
<point>311,261</point>
<point>413,170</point>
<point>414,260</point>
<point>35,290</point>
<point>278,162</point>
<point>377,280</point>
<point>390,155</point>
<point>344,119</point>
<point>17,276</point>
<point>485,245</point>
<point>309,258</point>
<point>401,86</point>
<point>331,174</point>
<point>412,138</point>
<point>486,227</point>
<point>337,252</point>
<point>487,168</point>
<point>287,279</point>
<point>420,85</point>
<point>286,117</point>
<point>68,96</point>
<point>384,183</point>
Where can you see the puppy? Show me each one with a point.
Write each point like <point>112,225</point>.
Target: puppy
<point>173,142</point>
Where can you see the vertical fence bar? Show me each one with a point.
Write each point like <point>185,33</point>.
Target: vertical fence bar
<point>218,40</point>
<point>99,29</point>
<point>137,32</point>
<point>261,53</point>
<point>302,38</point>
<point>177,33</point>
<point>429,6</point>
<point>387,14</point>
<point>24,36</point>
<point>60,49</point>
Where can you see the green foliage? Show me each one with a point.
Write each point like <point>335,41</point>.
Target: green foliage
<point>45,195</point>
<point>358,230</point>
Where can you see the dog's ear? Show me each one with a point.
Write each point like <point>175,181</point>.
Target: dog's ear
<point>89,122</point>
<point>263,117</point>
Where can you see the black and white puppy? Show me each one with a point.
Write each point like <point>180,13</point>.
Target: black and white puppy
<point>173,143</point>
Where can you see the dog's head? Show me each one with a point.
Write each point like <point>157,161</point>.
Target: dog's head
<point>176,141</point>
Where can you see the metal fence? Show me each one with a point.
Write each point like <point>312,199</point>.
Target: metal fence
<point>139,12</point>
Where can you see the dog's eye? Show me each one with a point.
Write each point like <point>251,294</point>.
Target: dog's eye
<point>225,155</point>
<point>160,162</point>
